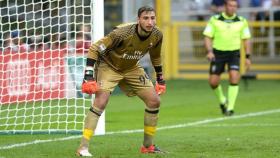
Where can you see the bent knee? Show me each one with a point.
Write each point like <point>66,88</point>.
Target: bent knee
<point>154,103</point>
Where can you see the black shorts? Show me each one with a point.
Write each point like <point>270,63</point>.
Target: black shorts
<point>231,58</point>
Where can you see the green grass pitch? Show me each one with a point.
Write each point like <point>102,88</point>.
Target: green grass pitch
<point>190,125</point>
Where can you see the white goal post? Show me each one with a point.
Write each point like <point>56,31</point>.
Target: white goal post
<point>43,51</point>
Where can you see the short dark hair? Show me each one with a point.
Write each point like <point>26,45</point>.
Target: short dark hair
<point>226,1</point>
<point>145,9</point>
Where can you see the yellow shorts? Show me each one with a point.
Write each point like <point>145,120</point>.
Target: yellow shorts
<point>130,82</point>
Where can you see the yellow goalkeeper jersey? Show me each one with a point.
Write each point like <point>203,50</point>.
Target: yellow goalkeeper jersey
<point>124,47</point>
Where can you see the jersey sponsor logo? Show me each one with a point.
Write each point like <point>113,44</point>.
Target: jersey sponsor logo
<point>135,56</point>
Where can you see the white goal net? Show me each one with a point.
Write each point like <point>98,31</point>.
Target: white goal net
<point>42,57</point>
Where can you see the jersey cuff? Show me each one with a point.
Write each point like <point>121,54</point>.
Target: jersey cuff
<point>90,62</point>
<point>158,69</point>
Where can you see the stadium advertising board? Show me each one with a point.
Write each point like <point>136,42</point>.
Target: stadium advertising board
<point>31,76</point>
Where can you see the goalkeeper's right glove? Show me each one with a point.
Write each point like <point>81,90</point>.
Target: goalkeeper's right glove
<point>89,85</point>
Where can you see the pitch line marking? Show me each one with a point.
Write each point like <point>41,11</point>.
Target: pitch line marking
<point>141,130</point>
<point>241,125</point>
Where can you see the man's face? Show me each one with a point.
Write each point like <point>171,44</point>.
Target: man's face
<point>231,7</point>
<point>147,21</point>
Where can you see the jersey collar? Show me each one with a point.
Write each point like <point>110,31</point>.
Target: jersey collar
<point>228,17</point>
<point>143,38</point>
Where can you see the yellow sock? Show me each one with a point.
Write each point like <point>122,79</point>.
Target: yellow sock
<point>150,123</point>
<point>232,95</point>
<point>91,121</point>
<point>220,95</point>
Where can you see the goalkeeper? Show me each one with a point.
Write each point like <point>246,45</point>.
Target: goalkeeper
<point>116,61</point>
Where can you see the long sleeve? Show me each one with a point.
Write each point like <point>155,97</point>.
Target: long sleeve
<point>155,53</point>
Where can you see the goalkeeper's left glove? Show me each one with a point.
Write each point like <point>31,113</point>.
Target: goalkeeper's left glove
<point>160,85</point>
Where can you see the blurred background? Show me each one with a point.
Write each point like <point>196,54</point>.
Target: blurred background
<point>36,25</point>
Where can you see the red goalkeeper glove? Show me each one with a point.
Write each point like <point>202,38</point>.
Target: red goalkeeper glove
<point>160,85</point>
<point>89,85</point>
